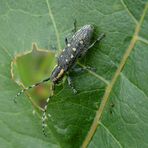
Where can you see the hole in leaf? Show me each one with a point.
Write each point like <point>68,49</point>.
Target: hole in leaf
<point>32,67</point>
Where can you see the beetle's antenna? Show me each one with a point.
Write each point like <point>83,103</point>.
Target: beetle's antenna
<point>29,87</point>
<point>44,117</point>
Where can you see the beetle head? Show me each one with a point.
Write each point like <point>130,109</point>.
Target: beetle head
<point>57,74</point>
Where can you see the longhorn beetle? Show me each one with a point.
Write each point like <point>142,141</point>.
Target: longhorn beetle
<point>75,48</point>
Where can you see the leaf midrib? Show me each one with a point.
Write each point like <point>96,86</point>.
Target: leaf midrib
<point>115,77</point>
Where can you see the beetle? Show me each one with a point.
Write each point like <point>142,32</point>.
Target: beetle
<point>75,48</point>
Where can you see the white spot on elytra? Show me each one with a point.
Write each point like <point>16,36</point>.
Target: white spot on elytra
<point>68,45</point>
<point>71,56</point>
<point>66,60</point>
<point>74,49</point>
<point>81,42</point>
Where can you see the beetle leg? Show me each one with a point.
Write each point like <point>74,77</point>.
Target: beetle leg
<point>52,89</point>
<point>90,68</point>
<point>71,84</point>
<point>66,41</point>
<point>73,30</point>
<point>75,26</point>
<point>80,69</point>
<point>98,40</point>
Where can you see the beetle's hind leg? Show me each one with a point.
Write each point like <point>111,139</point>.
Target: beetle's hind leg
<point>73,30</point>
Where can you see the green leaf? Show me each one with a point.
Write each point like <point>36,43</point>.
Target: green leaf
<point>110,109</point>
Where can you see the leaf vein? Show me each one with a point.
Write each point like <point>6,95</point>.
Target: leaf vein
<point>95,74</point>
<point>129,12</point>
<point>142,39</point>
<point>135,86</point>
<point>54,25</point>
<point>6,51</point>
<point>111,134</point>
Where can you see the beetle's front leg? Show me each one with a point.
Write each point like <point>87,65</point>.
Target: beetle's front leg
<point>66,41</point>
<point>71,84</point>
<point>98,40</point>
<point>52,89</point>
<point>81,69</point>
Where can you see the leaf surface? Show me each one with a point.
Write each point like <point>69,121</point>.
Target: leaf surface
<point>110,109</point>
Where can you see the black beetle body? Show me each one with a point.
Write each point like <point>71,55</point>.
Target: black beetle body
<point>76,47</point>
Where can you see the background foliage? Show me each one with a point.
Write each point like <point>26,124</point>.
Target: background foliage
<point>111,107</point>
